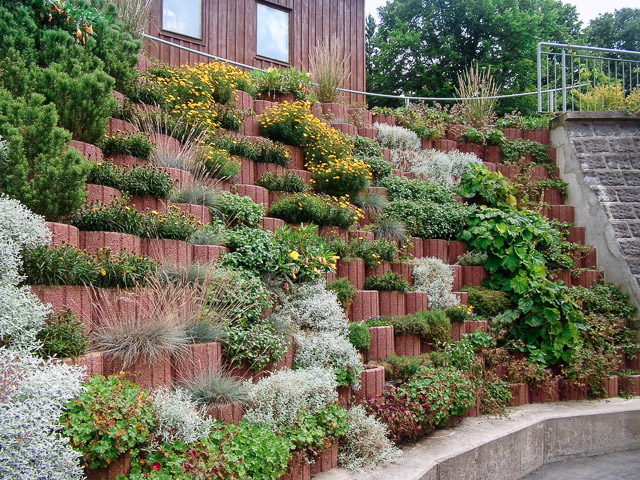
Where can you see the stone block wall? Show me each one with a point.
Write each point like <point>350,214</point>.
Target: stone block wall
<point>599,156</point>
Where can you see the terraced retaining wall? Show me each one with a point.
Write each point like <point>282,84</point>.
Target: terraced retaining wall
<point>598,154</point>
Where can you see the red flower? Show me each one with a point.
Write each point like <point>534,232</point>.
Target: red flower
<point>156,466</point>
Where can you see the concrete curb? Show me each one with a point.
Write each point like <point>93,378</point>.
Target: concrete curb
<point>488,448</point>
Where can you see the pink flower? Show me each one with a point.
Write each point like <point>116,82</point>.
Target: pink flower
<point>156,466</point>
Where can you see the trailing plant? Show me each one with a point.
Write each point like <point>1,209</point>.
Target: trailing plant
<point>111,417</point>
<point>345,291</point>
<point>604,300</point>
<point>388,282</point>
<point>313,432</point>
<point>514,150</point>
<point>123,143</point>
<point>63,336</point>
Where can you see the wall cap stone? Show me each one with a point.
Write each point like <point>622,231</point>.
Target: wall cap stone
<point>599,115</point>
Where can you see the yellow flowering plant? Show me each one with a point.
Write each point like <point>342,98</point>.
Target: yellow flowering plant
<point>318,209</point>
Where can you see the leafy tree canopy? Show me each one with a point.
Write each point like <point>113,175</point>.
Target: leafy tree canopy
<point>620,30</point>
<point>420,47</point>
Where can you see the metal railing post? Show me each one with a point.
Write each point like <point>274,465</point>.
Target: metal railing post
<point>564,80</point>
<point>539,77</point>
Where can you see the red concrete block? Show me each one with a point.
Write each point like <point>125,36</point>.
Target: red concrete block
<point>117,125</point>
<point>382,118</point>
<point>553,196</point>
<point>345,128</point>
<point>457,331</point>
<point>247,173</point>
<point>539,173</point>
<point>473,275</point>
<point>540,135</point>
<point>553,153</point>
<point>475,410</point>
<point>259,195</point>
<point>588,278</point>
<point>355,235</point>
<point>405,270</point>
<point>330,231</point>
<point>630,384</point>
<point>590,259</point>
<point>244,101</point>
<point>353,270</point>
<point>92,362</point>
<point>545,392</point>
<point>436,249</point>
<point>345,396</point>
<point>633,361</point>
<point>365,305</point>
<point>305,175</point>
<point>88,151</point>
<point>570,390</point>
<point>445,145</point>
<point>611,386</point>
<point>143,203</point>
<point>202,213</point>
<point>562,275</point>
<point>476,325</point>
<point>417,302</point>
<point>99,193</point>
<point>144,374</point>
<point>382,191</point>
<point>166,250</point>
<point>250,126</point>
<point>408,345</point>
<point>200,358</point>
<point>261,168</point>
<point>229,413</point>
<point>206,253</point>
<point>458,277</point>
<point>380,270</point>
<point>120,466</point>
<point>278,97</point>
<point>368,132</point>
<point>126,161</point>
<point>509,171</point>
<point>331,276</point>
<point>519,394</point>
<point>577,235</point>
<point>334,110</point>
<point>382,343</point>
<point>297,158</point>
<point>75,299</point>
<point>386,154</point>
<point>166,142</point>
<point>455,249</point>
<point>372,383</point>
<point>287,360</point>
<point>415,247</point>
<point>477,150</point>
<point>326,459</point>
<point>563,213</point>
<point>492,153</point>
<point>94,241</point>
<point>63,233</point>
<point>182,178</point>
<point>463,296</point>
<point>426,143</point>
<point>492,167</point>
<point>272,224</point>
<point>512,133</point>
<point>360,116</point>
<point>259,106</point>
<point>298,468</point>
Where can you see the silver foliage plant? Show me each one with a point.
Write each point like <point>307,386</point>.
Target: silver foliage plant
<point>433,276</point>
<point>367,445</point>
<point>178,417</point>
<point>277,400</point>
<point>327,349</point>
<point>22,316</point>
<point>312,306</point>
<point>21,225</point>
<point>443,167</point>
<point>33,393</point>
<point>397,138</point>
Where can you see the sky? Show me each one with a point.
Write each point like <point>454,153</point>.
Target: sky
<point>587,9</point>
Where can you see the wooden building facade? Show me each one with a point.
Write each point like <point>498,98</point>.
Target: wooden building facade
<point>274,33</point>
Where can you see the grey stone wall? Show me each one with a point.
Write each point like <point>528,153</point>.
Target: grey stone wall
<point>599,156</point>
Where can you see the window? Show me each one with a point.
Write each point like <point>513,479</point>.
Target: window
<point>183,17</point>
<point>273,33</point>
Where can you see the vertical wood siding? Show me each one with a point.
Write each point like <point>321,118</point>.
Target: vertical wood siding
<point>229,31</point>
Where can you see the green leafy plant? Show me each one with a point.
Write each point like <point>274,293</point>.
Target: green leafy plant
<point>313,432</point>
<point>431,326</point>
<point>359,335</point>
<point>218,163</point>
<point>488,303</point>
<point>515,150</point>
<point>486,188</point>
<point>256,346</point>
<point>429,219</point>
<point>237,210</point>
<point>318,209</point>
<point>345,291</point>
<point>605,300</point>
<point>113,416</point>
<point>122,143</point>
<point>289,182</point>
<point>62,336</point>
<point>278,80</point>
<point>473,135</point>
<point>259,150</point>
<point>402,188</point>
<point>388,282</point>
<point>143,180</point>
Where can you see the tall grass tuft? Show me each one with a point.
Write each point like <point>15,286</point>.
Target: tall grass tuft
<point>476,84</point>
<point>329,69</point>
<point>135,14</point>
<point>215,388</point>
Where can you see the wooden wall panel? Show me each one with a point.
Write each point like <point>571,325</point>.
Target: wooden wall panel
<point>230,31</point>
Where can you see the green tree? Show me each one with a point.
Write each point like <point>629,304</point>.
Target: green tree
<point>420,47</point>
<point>620,30</point>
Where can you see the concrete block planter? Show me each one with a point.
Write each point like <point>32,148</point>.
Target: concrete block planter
<point>415,247</point>
<point>326,459</point>
<point>630,384</point>
<point>144,374</point>
<point>562,213</point>
<point>611,386</point>
<point>456,248</point>
<point>304,174</point>
<point>345,128</point>
<point>475,410</point>
<point>463,296</point>
<point>590,259</point>
<point>492,153</point>
<point>360,235</point>
<point>115,124</point>
<point>200,358</point>
<point>577,235</point>
<point>416,302</point>
<point>352,270</point>
<point>250,126</point>
<point>382,343</point>
<point>519,394</point>
<point>229,413</point>
<point>545,392</point>
<point>121,466</point>
<point>372,383</point>
<point>473,275</point>
<point>540,135</point>
<point>386,154</point>
<point>474,148</point>
<point>445,145</point>
<point>426,143</point>
<point>405,270</point>
<point>182,178</point>
<point>562,275</point>
<point>512,133</point>
<point>365,305</point>
<point>143,203</point>
<point>76,299</point>
<point>327,231</point>
<point>509,171</point>
<point>589,278</point>
<point>552,196</point>
<point>458,277</point>
<point>126,161</point>
<point>361,116</point>
<point>368,132</point>
<point>63,233</point>
<point>382,118</point>
<point>201,212</point>
<point>261,168</point>
<point>93,363</point>
<point>408,345</point>
<point>166,250</point>
<point>334,110</point>
<point>206,253</point>
<point>633,361</point>
<point>435,248</point>
<point>94,241</point>
<point>345,397</point>
<point>392,303</point>
<point>570,390</point>
<point>492,167</point>
<point>277,97</point>
<point>102,194</point>
<point>331,276</point>
<point>539,173</point>
<point>297,158</point>
<point>259,106</point>
<point>457,331</point>
<point>244,101</point>
<point>272,224</point>
<point>259,195</point>
<point>298,468</point>
<point>476,325</point>
<point>88,151</point>
<point>380,270</point>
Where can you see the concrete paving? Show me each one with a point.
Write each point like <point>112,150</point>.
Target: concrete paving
<point>612,466</point>
<point>488,448</point>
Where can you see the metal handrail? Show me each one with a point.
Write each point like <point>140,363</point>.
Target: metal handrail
<point>369,94</point>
